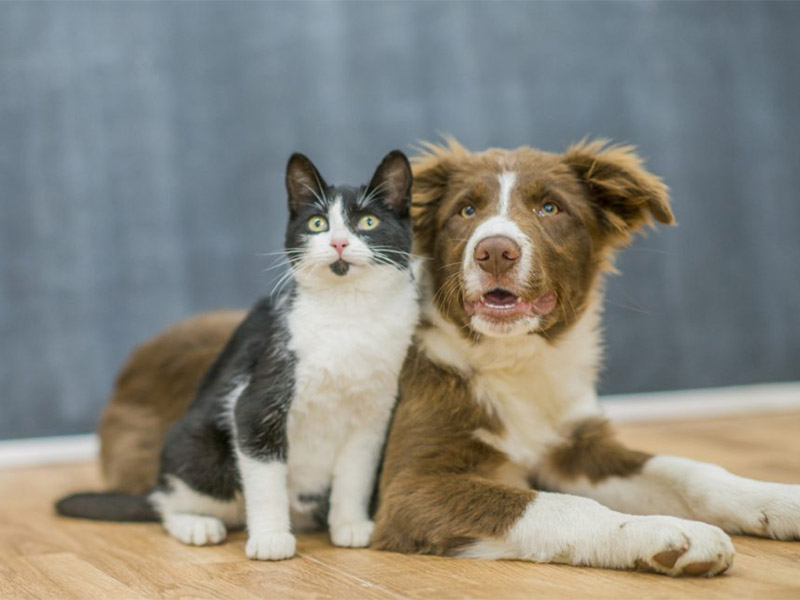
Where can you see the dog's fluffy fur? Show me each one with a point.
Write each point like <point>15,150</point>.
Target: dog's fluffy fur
<point>498,400</point>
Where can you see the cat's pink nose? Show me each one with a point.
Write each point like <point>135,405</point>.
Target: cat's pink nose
<point>339,245</point>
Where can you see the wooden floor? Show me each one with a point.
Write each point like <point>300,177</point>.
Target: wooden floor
<point>42,556</point>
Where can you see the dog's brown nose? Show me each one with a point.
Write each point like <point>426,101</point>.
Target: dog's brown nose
<point>496,254</point>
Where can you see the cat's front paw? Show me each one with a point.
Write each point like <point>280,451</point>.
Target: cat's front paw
<point>270,546</point>
<point>352,535</point>
<point>196,530</point>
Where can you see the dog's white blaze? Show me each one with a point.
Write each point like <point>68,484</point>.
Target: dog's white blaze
<point>507,181</point>
<point>500,224</point>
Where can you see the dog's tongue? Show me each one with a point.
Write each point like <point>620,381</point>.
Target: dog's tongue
<point>500,298</point>
<point>545,304</point>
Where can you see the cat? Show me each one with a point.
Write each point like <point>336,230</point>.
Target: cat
<point>288,425</point>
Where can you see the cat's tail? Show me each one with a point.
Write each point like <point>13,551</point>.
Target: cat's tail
<point>107,506</point>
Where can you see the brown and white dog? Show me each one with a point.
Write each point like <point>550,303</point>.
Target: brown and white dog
<point>497,397</point>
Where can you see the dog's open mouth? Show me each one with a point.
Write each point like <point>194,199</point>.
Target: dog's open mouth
<point>500,299</point>
<point>502,304</point>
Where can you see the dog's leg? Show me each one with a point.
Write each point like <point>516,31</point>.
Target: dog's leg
<point>472,517</point>
<point>595,465</point>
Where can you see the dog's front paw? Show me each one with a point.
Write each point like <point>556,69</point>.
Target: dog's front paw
<point>352,535</point>
<point>270,546</point>
<point>775,512</point>
<point>677,547</point>
<point>736,504</point>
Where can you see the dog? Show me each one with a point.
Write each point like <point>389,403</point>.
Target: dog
<point>498,446</point>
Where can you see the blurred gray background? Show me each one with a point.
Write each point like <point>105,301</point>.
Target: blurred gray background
<point>142,149</point>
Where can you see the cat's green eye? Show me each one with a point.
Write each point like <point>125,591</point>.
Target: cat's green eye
<point>368,222</point>
<point>317,224</point>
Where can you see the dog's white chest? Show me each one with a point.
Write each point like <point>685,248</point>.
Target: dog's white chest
<point>534,387</point>
<point>532,409</point>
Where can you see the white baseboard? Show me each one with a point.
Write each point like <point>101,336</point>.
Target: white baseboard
<point>654,406</point>
<point>710,402</point>
<point>49,450</point>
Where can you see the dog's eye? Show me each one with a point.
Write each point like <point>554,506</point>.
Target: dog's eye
<point>548,209</point>
<point>468,211</point>
<point>317,224</point>
<point>368,222</point>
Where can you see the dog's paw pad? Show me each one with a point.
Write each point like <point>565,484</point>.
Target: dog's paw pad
<point>668,558</point>
<point>352,535</point>
<point>696,569</point>
<point>270,546</point>
<point>679,547</point>
<point>643,566</point>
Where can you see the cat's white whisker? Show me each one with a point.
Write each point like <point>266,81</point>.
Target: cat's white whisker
<point>321,199</point>
<point>364,200</point>
<point>284,263</point>
<point>285,252</point>
<point>286,277</point>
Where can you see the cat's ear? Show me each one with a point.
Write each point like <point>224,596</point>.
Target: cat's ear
<point>304,184</point>
<point>391,183</point>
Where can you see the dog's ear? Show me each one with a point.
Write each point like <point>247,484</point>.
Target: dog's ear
<point>433,168</point>
<point>626,194</point>
<point>304,184</point>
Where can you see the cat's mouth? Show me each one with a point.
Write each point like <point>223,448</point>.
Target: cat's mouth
<point>340,267</point>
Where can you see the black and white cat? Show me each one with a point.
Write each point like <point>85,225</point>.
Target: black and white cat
<point>289,423</point>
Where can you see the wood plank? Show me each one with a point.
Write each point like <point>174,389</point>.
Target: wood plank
<point>66,576</point>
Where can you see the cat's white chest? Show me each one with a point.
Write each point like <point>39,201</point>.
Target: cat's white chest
<point>349,349</point>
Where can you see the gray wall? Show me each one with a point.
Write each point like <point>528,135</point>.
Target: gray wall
<point>142,149</point>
